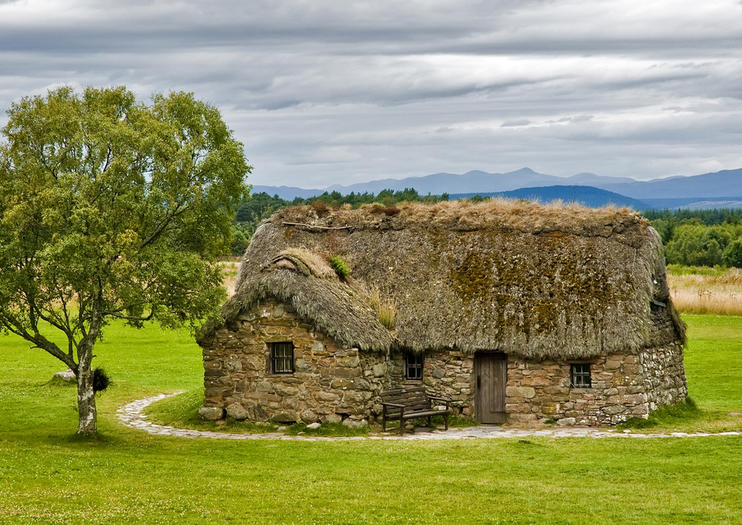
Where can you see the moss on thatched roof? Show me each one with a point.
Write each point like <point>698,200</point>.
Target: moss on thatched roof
<point>536,281</point>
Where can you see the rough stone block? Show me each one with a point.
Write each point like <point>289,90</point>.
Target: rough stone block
<point>309,416</point>
<point>68,376</point>
<point>285,417</point>
<point>340,384</point>
<point>520,391</point>
<point>379,370</point>
<point>326,396</point>
<point>211,413</point>
<point>614,409</point>
<point>237,411</point>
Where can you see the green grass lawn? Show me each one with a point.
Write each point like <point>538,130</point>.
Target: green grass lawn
<point>48,476</point>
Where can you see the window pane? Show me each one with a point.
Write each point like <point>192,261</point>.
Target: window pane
<point>580,375</point>
<point>413,366</point>
<point>282,358</point>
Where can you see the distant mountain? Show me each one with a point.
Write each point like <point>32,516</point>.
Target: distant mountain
<point>585,195</point>
<point>704,189</point>
<point>471,181</point>
<point>726,183</point>
<point>590,179</point>
<point>695,203</point>
<point>286,192</point>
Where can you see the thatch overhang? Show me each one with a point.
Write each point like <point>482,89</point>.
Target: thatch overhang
<point>540,282</point>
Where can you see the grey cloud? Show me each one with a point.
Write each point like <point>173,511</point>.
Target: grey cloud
<point>515,123</point>
<point>324,92</point>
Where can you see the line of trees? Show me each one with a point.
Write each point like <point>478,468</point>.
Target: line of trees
<point>700,237</point>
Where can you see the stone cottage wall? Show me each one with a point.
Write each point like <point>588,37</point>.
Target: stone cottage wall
<point>623,386</point>
<point>330,383</point>
<point>334,384</point>
<point>445,374</point>
<point>538,391</point>
<point>664,375</point>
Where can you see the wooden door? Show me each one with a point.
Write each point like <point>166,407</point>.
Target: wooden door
<point>490,371</point>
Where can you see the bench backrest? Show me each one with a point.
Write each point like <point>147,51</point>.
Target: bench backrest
<point>413,398</point>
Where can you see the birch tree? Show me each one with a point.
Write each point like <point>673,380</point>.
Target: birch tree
<point>112,209</point>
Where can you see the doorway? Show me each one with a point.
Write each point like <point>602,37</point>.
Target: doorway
<point>490,373</point>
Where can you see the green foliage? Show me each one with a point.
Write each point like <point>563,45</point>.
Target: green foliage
<point>239,240</point>
<point>341,267</point>
<point>707,217</point>
<point>696,245</point>
<point>112,209</point>
<point>733,254</point>
<point>701,237</point>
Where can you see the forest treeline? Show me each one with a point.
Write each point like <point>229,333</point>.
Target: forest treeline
<point>700,237</point>
<point>690,237</point>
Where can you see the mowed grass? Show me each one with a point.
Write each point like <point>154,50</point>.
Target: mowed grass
<point>127,476</point>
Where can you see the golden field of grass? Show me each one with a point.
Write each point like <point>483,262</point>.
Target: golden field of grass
<point>230,269</point>
<point>714,292</point>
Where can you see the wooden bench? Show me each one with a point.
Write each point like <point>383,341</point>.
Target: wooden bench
<point>409,403</point>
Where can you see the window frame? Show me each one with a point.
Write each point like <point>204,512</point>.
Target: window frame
<point>278,361</point>
<point>415,363</point>
<point>578,373</point>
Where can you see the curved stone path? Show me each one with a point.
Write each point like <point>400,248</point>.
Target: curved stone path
<point>131,416</point>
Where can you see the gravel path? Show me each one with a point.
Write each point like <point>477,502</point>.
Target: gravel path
<point>131,416</point>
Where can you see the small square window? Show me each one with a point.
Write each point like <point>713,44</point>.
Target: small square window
<point>413,366</point>
<point>580,375</point>
<point>282,358</point>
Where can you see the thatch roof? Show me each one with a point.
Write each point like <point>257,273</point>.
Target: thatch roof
<point>536,281</point>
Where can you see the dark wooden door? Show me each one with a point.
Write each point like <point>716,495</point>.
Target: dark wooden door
<point>490,372</point>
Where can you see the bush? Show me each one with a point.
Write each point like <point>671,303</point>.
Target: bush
<point>101,381</point>
<point>341,267</point>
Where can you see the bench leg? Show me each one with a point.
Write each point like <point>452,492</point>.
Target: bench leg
<point>401,426</point>
<point>430,423</point>
<point>445,420</point>
<point>383,422</point>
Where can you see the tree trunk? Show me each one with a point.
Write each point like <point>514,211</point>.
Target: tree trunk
<point>87,413</point>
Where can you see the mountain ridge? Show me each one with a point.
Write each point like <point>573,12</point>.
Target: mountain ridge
<point>724,184</point>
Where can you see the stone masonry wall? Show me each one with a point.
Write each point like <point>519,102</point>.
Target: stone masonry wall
<point>329,384</point>
<point>445,374</point>
<point>541,391</point>
<point>623,386</point>
<point>664,375</point>
<point>333,384</point>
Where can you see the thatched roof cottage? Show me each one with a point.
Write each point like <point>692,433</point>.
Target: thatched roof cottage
<point>513,310</point>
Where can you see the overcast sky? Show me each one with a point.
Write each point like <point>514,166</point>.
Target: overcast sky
<point>323,92</point>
